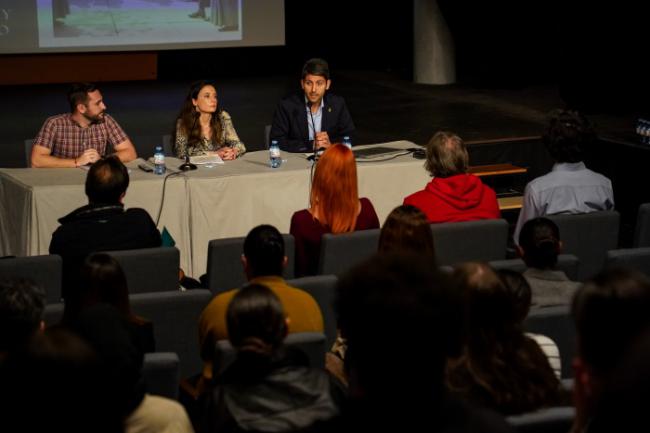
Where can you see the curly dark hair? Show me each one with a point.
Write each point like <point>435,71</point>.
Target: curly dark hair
<point>566,135</point>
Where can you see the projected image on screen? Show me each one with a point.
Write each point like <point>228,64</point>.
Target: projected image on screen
<point>84,23</point>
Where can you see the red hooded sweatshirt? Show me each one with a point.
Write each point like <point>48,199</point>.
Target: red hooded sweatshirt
<point>462,197</point>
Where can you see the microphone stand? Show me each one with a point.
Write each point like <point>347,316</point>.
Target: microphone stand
<point>315,155</point>
<point>187,165</point>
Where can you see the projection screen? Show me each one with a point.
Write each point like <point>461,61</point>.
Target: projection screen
<point>39,26</point>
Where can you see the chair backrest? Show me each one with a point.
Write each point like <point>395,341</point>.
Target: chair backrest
<point>149,269</point>
<point>53,314</point>
<point>642,228</point>
<point>175,317</point>
<point>323,289</point>
<point>28,152</point>
<point>43,270</point>
<point>550,420</point>
<point>482,240</point>
<point>568,263</point>
<point>340,252</point>
<point>161,375</point>
<point>635,258</point>
<point>588,236</point>
<point>225,270</point>
<point>311,343</point>
<point>167,145</point>
<point>160,369</point>
<point>556,323</point>
<point>267,136</point>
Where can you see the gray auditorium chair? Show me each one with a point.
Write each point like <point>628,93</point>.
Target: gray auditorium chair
<point>160,369</point>
<point>28,152</point>
<point>167,145</point>
<point>161,375</point>
<point>53,314</point>
<point>43,270</point>
<point>642,229</point>
<point>225,271</point>
<point>568,263</point>
<point>340,252</point>
<point>557,324</point>
<point>588,236</point>
<point>311,343</point>
<point>267,136</point>
<point>635,258</point>
<point>323,289</point>
<point>458,242</point>
<point>149,269</point>
<point>549,420</point>
<point>175,317</point>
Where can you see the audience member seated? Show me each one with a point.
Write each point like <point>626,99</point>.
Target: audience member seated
<point>269,387</point>
<point>610,313</point>
<point>539,246</point>
<point>103,224</point>
<point>21,314</point>
<point>263,261</point>
<point>106,331</point>
<point>57,383</point>
<point>518,288</point>
<point>335,207</point>
<point>80,137</point>
<point>570,187</point>
<point>453,194</point>
<point>402,318</point>
<point>624,404</point>
<point>103,281</point>
<point>202,128</point>
<point>406,229</point>
<point>500,367</point>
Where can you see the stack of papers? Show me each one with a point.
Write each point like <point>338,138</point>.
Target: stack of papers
<point>206,159</point>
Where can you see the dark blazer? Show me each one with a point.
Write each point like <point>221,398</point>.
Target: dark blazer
<point>290,129</point>
<point>100,227</point>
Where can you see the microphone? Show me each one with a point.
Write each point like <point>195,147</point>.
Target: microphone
<point>318,151</point>
<point>187,165</point>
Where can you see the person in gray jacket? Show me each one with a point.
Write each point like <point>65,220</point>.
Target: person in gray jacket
<point>539,246</point>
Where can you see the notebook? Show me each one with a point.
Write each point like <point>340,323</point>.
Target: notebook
<point>206,159</point>
<point>374,152</point>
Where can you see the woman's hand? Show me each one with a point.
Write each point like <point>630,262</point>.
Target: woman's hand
<point>227,153</point>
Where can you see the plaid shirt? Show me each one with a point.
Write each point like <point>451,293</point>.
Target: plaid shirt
<point>66,139</point>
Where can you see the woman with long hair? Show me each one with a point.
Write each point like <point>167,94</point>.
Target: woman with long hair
<point>406,229</point>
<point>334,207</point>
<point>500,367</point>
<point>202,128</point>
<point>103,281</point>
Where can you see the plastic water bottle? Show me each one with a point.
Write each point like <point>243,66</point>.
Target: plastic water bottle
<point>274,154</point>
<point>159,161</point>
<point>347,142</point>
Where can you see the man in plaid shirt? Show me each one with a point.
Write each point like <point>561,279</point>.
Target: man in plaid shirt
<point>80,137</point>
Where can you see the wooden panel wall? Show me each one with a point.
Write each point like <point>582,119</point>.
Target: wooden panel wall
<point>67,68</point>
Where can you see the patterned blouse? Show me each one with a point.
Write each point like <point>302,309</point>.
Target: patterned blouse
<point>228,136</point>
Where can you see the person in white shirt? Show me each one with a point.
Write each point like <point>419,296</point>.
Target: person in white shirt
<point>570,187</point>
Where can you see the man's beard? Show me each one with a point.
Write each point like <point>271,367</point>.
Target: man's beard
<point>99,118</point>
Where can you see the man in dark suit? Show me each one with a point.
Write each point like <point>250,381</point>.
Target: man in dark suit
<point>312,119</point>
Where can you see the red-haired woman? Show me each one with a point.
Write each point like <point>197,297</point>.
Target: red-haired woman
<point>335,207</point>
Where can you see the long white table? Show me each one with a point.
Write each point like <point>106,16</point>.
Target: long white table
<point>209,203</point>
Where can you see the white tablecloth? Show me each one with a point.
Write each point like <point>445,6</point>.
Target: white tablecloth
<point>209,203</point>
